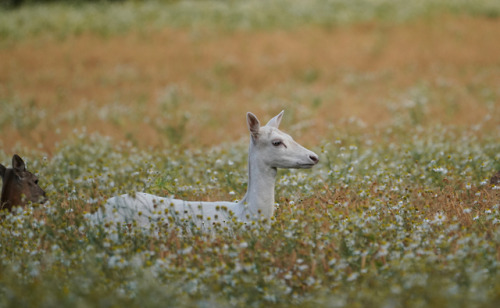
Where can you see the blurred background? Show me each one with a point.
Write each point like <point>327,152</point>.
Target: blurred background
<point>184,73</point>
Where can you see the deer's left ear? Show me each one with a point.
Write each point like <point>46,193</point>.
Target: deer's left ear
<point>18,163</point>
<point>275,122</point>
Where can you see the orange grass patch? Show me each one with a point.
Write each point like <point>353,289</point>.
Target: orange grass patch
<point>321,75</point>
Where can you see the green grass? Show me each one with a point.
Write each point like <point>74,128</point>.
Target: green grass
<point>411,222</point>
<point>62,20</point>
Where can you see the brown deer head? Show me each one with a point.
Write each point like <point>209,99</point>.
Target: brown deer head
<point>19,185</point>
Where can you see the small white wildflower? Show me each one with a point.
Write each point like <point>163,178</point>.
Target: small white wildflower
<point>439,218</point>
<point>270,297</point>
<point>187,250</point>
<point>352,276</point>
<point>440,170</point>
<point>310,281</point>
<point>116,262</point>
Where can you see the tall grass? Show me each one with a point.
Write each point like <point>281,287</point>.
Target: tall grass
<point>61,20</point>
<point>411,221</point>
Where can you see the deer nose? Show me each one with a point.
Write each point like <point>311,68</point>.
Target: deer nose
<point>314,158</point>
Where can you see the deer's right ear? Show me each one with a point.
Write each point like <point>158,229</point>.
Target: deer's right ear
<point>253,125</point>
<point>2,170</point>
<point>275,122</point>
<point>18,163</point>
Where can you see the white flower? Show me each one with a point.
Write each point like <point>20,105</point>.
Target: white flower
<point>352,276</point>
<point>439,218</point>
<point>440,170</point>
<point>92,200</point>
<point>187,250</point>
<point>310,281</point>
<point>117,262</point>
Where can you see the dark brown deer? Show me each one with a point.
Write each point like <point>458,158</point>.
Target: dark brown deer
<point>19,186</point>
<point>495,179</point>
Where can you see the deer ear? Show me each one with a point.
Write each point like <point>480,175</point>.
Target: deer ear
<point>2,170</point>
<point>253,125</point>
<point>275,122</point>
<point>18,163</point>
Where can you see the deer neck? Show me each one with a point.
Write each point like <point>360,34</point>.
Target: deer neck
<point>259,199</point>
<point>8,198</point>
<point>3,199</point>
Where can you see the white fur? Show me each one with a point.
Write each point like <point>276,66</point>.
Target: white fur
<point>269,149</point>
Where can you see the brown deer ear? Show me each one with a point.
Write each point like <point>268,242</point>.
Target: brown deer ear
<point>253,125</point>
<point>2,170</point>
<point>18,163</point>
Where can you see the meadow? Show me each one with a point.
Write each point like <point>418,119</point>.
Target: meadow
<point>399,99</point>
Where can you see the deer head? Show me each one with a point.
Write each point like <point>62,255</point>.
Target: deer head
<point>19,185</point>
<point>275,148</point>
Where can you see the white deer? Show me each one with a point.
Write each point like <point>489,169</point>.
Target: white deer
<point>269,149</point>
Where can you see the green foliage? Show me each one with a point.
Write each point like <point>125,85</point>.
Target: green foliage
<point>21,115</point>
<point>173,120</point>
<point>355,230</point>
<point>19,3</point>
<point>62,18</point>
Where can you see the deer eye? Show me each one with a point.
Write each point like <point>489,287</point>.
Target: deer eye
<point>36,181</point>
<point>277,142</point>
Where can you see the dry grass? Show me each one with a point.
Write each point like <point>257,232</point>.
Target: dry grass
<point>116,85</point>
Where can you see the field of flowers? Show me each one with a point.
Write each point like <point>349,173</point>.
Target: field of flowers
<point>399,212</point>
